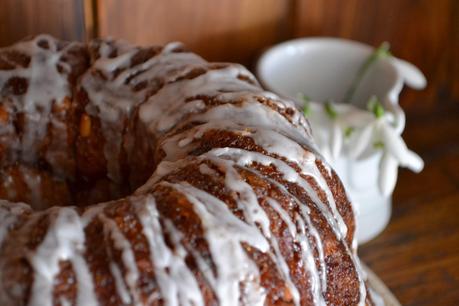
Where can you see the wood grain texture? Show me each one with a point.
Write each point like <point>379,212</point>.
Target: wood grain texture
<point>20,18</point>
<point>224,30</point>
<point>423,32</point>
<point>417,256</point>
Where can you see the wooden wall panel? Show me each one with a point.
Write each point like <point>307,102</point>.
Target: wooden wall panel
<point>20,18</point>
<point>219,30</point>
<point>423,32</point>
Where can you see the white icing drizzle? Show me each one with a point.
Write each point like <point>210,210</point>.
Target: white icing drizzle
<point>271,141</point>
<point>160,117</point>
<point>204,169</point>
<point>280,145</point>
<point>378,300</point>
<point>9,185</point>
<point>225,233</point>
<point>33,182</point>
<point>113,100</point>
<point>313,231</point>
<point>244,195</point>
<point>254,214</point>
<point>64,241</point>
<point>127,256</point>
<point>9,213</point>
<point>306,250</point>
<point>65,302</point>
<point>309,260</point>
<point>227,116</point>
<point>45,85</point>
<point>189,289</point>
<point>301,237</point>
<point>176,282</point>
<point>291,175</point>
<point>281,264</point>
<point>252,113</point>
<point>120,284</point>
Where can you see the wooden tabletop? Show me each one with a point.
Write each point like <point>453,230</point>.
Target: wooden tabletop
<point>417,255</point>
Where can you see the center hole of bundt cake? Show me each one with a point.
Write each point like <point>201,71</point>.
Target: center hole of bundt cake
<point>77,171</point>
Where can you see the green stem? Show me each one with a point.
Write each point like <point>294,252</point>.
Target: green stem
<point>330,110</point>
<point>381,52</point>
<point>306,104</point>
<point>375,107</point>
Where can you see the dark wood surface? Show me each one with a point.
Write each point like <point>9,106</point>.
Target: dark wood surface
<point>219,30</point>
<point>423,32</point>
<point>417,256</point>
<point>22,18</point>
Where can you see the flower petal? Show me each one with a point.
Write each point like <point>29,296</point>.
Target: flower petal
<point>336,140</point>
<point>361,141</point>
<point>388,170</point>
<point>356,117</point>
<point>393,142</point>
<point>397,147</point>
<point>414,78</point>
<point>413,162</point>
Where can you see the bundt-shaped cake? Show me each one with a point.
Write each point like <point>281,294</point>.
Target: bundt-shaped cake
<point>153,177</point>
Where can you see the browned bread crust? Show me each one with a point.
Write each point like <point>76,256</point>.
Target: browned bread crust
<point>153,177</point>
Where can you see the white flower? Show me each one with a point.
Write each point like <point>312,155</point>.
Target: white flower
<point>388,171</point>
<point>381,135</point>
<point>342,129</point>
<point>327,129</point>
